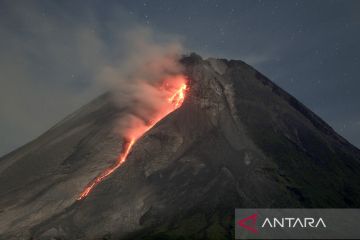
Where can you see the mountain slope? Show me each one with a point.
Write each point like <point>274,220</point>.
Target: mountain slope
<point>237,141</point>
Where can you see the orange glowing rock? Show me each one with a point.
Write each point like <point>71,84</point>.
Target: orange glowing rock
<point>178,98</point>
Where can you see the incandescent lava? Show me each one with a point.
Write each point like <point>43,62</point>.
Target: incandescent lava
<point>174,90</point>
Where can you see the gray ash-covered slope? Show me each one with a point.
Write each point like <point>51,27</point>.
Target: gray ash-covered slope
<point>237,141</point>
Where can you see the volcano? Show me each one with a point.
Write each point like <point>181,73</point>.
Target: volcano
<point>237,140</point>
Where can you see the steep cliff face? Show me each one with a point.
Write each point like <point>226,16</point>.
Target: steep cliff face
<point>237,141</point>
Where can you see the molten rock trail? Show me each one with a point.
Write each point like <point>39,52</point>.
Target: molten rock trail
<point>173,98</point>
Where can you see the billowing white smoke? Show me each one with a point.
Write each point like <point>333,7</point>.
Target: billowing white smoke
<point>143,82</point>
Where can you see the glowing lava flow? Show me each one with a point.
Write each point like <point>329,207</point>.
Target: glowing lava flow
<point>175,100</point>
<point>178,97</point>
<point>121,159</point>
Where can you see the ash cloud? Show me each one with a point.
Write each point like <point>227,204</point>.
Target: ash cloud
<point>137,80</point>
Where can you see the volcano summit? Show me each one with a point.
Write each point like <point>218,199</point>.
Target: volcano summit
<point>237,140</point>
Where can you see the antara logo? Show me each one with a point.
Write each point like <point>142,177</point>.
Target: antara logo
<point>249,223</point>
<point>292,222</point>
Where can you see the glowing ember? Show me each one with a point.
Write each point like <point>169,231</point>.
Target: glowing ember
<point>178,97</point>
<point>174,93</point>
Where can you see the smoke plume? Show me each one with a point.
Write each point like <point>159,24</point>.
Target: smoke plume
<point>144,80</point>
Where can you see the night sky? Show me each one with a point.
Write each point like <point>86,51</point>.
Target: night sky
<point>50,52</point>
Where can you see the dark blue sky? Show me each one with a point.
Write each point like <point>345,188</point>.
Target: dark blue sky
<point>309,48</point>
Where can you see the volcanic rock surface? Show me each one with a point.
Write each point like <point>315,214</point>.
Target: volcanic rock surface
<point>238,140</point>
